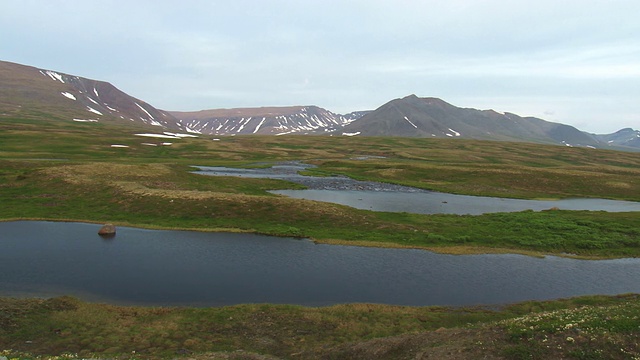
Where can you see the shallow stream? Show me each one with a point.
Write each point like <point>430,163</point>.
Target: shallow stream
<point>369,195</point>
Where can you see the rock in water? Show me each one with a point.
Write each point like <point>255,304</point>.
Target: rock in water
<point>107,230</point>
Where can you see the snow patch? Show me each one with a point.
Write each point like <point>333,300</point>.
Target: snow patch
<point>351,134</point>
<point>119,146</point>
<point>149,144</point>
<point>93,110</point>
<point>110,108</point>
<point>96,92</point>
<point>412,124</point>
<point>83,120</point>
<point>179,135</point>
<point>243,123</point>
<point>93,101</point>
<point>160,136</point>
<point>53,75</point>
<point>259,125</point>
<point>68,95</point>
<point>454,132</point>
<point>167,144</point>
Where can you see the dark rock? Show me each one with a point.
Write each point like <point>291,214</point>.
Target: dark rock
<point>107,230</point>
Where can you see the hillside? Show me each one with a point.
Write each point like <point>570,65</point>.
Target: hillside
<point>624,137</point>
<point>266,120</point>
<point>28,92</point>
<point>412,116</point>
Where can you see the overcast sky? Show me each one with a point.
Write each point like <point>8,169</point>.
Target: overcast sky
<point>571,61</point>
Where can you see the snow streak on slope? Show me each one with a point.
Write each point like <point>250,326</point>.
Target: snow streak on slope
<point>145,111</point>
<point>412,124</point>
<point>53,75</point>
<point>271,121</point>
<point>68,95</point>
<point>90,109</point>
<point>259,125</point>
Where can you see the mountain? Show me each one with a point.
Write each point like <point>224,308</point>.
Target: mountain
<point>626,137</point>
<point>31,93</point>
<point>412,116</point>
<point>266,120</point>
<point>26,91</point>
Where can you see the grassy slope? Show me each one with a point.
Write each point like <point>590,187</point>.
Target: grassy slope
<point>49,171</point>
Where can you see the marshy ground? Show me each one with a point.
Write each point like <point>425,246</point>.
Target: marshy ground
<point>52,170</point>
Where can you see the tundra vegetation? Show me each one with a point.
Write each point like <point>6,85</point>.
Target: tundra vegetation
<point>61,170</point>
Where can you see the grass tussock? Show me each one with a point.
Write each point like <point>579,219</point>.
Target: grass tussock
<point>65,327</point>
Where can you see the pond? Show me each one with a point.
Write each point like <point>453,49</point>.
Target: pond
<point>368,195</point>
<point>149,267</point>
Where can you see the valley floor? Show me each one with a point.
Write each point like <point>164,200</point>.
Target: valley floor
<point>59,172</point>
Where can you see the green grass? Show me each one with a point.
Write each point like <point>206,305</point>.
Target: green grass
<point>551,329</point>
<point>68,171</point>
<point>169,196</point>
<point>59,170</point>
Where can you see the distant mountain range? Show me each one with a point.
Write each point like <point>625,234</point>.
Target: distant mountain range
<point>30,92</point>
<point>266,120</point>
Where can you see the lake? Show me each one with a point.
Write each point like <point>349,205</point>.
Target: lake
<point>369,195</point>
<point>150,267</point>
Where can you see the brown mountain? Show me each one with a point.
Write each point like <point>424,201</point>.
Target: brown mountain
<point>26,91</point>
<point>265,120</point>
<point>412,116</point>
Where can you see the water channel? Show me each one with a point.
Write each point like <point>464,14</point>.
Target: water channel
<point>368,195</point>
<point>149,267</point>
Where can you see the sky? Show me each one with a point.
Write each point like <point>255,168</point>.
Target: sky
<point>575,62</point>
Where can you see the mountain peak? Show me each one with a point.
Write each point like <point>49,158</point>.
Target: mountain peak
<point>412,116</point>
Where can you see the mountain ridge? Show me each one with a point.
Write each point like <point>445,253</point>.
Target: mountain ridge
<point>307,120</point>
<point>27,91</point>
<point>412,116</point>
